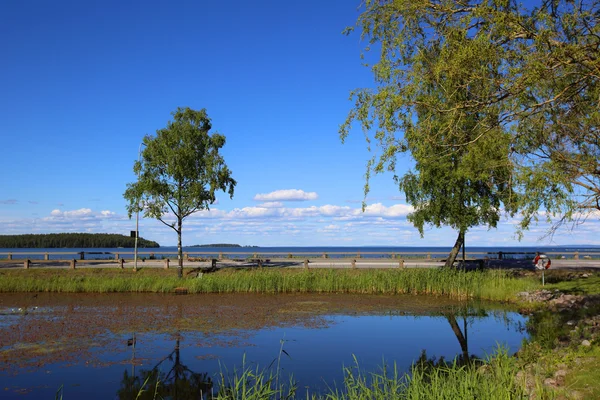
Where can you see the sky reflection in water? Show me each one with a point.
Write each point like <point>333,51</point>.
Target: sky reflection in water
<point>319,342</point>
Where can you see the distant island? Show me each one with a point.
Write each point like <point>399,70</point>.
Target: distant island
<point>71,240</point>
<point>219,245</point>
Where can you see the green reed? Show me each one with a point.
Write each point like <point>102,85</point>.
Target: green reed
<point>490,285</point>
<point>494,379</point>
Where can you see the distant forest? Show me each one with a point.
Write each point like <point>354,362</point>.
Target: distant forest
<point>71,240</point>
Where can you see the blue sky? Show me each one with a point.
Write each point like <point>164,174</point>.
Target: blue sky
<point>83,81</point>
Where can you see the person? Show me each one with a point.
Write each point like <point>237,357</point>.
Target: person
<point>541,261</point>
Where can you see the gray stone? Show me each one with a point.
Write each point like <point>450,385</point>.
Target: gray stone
<point>550,382</point>
<point>586,343</point>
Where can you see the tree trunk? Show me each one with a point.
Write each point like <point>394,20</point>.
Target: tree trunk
<point>179,250</point>
<point>460,240</point>
<point>462,339</point>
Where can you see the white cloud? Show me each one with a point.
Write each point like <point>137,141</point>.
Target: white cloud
<point>395,211</point>
<point>286,195</point>
<point>271,204</point>
<point>82,212</point>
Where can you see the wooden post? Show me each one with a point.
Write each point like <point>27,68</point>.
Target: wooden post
<point>26,263</point>
<point>306,263</point>
<point>121,263</point>
<point>220,255</point>
<point>117,256</point>
<point>259,263</point>
<point>186,256</point>
<point>73,262</point>
<point>393,255</point>
<point>82,255</point>
<point>428,256</point>
<point>324,255</point>
<point>576,256</point>
<point>213,263</point>
<point>354,263</point>
<point>166,266</point>
<point>46,257</point>
<point>358,254</point>
<point>9,256</point>
<point>401,264</point>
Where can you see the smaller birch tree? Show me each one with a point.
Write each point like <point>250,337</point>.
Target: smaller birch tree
<point>179,172</point>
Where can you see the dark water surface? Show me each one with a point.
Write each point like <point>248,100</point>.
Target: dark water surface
<point>84,342</point>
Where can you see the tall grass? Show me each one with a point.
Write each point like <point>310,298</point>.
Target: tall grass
<point>489,285</point>
<point>493,380</point>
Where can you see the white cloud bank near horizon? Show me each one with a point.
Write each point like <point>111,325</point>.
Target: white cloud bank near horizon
<point>272,224</point>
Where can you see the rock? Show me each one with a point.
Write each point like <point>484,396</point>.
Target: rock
<point>559,376</point>
<point>571,323</point>
<point>550,382</point>
<point>586,343</point>
<point>585,275</point>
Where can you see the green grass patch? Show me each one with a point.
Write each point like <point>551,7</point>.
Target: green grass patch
<point>488,285</point>
<point>566,283</point>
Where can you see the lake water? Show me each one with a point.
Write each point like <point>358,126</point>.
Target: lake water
<point>108,253</point>
<point>103,346</point>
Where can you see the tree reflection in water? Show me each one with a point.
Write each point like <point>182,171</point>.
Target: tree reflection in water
<point>467,315</point>
<point>176,382</point>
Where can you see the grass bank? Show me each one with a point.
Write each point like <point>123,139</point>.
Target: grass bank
<point>487,285</point>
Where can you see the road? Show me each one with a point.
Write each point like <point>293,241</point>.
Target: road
<point>283,263</point>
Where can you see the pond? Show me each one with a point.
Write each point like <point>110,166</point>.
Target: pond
<point>104,345</point>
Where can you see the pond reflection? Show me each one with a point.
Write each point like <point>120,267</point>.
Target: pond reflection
<point>169,378</point>
<point>182,343</point>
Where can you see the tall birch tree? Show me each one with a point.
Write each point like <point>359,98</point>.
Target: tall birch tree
<point>180,171</point>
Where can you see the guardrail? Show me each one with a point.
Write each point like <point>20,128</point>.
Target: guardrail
<point>421,255</point>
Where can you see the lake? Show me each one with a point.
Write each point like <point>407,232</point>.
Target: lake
<point>102,345</point>
<point>234,252</point>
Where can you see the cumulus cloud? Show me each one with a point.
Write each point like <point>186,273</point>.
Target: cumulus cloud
<point>82,212</point>
<point>286,195</point>
<point>271,204</point>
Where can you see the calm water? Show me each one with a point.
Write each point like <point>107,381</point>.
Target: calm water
<point>86,342</point>
<point>105,253</point>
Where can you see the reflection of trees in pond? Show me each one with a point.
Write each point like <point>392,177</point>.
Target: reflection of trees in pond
<point>178,382</point>
<point>468,316</point>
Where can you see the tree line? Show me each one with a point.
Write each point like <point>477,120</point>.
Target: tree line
<point>70,240</point>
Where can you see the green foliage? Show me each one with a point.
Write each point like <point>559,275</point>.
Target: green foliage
<point>69,240</point>
<point>501,95</point>
<point>180,171</point>
<point>489,285</point>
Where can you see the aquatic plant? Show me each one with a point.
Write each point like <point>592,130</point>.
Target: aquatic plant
<point>490,285</point>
